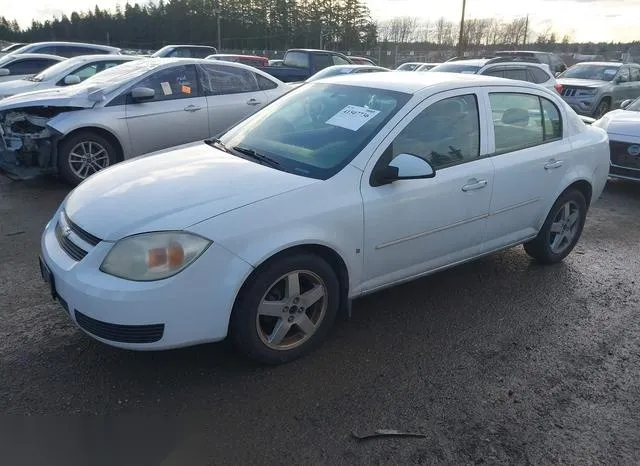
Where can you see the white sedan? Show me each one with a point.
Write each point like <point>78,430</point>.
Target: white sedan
<point>339,188</point>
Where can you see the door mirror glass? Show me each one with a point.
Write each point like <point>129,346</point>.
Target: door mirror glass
<point>625,103</point>
<point>142,93</point>
<point>72,79</point>
<point>4,72</point>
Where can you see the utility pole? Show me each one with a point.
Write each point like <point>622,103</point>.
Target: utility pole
<point>217,12</point>
<point>526,30</point>
<point>461,35</point>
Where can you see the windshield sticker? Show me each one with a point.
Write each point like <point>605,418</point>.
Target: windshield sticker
<point>352,117</point>
<point>166,88</point>
<point>185,89</point>
<point>610,72</point>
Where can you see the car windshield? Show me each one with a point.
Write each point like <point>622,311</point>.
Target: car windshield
<point>457,68</point>
<point>634,106</point>
<point>316,130</point>
<point>597,72</point>
<point>115,76</point>
<point>55,70</point>
<point>408,66</point>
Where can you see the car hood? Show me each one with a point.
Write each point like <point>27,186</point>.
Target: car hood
<point>582,82</point>
<point>622,122</point>
<point>16,87</point>
<point>70,96</point>
<point>171,190</point>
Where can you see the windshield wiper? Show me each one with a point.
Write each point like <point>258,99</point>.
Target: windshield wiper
<point>218,144</point>
<point>257,156</point>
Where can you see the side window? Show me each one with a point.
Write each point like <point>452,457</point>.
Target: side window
<point>497,72</point>
<point>623,74</point>
<point>551,120</point>
<point>523,120</point>
<point>323,61</point>
<point>519,75</point>
<point>50,49</point>
<point>86,71</point>
<point>218,79</point>
<point>181,52</point>
<point>539,76</point>
<point>111,64</point>
<point>29,66</point>
<point>446,133</point>
<point>635,74</point>
<point>179,82</point>
<point>198,52</point>
<point>337,60</point>
<point>264,83</point>
<point>297,59</point>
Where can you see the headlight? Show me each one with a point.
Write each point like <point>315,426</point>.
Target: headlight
<point>153,256</point>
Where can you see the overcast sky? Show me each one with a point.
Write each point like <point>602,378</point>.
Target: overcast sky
<point>583,20</point>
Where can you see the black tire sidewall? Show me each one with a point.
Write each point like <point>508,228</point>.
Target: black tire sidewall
<point>545,232</point>
<point>67,144</point>
<point>604,102</point>
<point>243,326</point>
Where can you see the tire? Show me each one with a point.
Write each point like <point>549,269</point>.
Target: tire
<point>71,150</point>
<point>269,333</point>
<point>541,248</point>
<point>603,107</point>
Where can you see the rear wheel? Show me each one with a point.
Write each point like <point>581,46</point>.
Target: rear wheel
<point>84,154</point>
<point>561,230</point>
<point>287,309</point>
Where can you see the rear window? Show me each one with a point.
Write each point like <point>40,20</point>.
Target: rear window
<point>456,68</point>
<point>296,59</point>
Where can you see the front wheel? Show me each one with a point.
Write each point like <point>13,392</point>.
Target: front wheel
<point>287,309</point>
<point>84,154</point>
<point>561,230</point>
<point>602,108</point>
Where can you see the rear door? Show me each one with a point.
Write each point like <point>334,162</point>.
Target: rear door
<point>530,160</point>
<point>231,94</point>
<point>175,116</point>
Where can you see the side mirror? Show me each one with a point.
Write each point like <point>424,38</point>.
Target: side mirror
<point>4,72</point>
<point>404,167</point>
<point>557,73</point>
<point>617,79</point>
<point>625,103</point>
<point>140,94</point>
<point>72,79</point>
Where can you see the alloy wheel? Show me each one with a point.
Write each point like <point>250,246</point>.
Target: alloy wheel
<point>87,158</point>
<point>564,227</point>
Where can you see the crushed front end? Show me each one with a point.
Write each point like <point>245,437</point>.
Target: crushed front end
<point>27,143</point>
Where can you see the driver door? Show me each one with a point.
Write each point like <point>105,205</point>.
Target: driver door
<point>176,115</point>
<point>419,225</point>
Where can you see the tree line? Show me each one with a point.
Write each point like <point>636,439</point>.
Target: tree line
<point>257,24</point>
<point>278,25</point>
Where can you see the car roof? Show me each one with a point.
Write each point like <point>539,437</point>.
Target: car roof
<point>415,82</point>
<point>83,58</point>
<point>518,64</point>
<point>36,55</point>
<point>234,55</point>
<point>472,62</point>
<point>170,61</point>
<point>523,51</point>
<point>603,63</point>
<point>188,45</point>
<point>71,44</point>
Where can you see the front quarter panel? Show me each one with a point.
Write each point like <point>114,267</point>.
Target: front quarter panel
<point>111,119</point>
<point>326,213</point>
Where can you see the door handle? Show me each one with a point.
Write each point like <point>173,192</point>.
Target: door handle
<point>475,184</point>
<point>192,108</point>
<point>553,163</point>
<point>253,102</point>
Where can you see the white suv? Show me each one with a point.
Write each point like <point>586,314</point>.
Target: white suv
<point>504,68</point>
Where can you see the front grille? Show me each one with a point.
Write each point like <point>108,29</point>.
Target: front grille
<point>620,155</point>
<point>120,333</point>
<point>82,234</point>
<point>569,92</point>
<point>72,249</point>
<point>624,173</point>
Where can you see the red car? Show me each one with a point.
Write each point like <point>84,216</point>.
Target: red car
<point>251,60</point>
<point>362,61</point>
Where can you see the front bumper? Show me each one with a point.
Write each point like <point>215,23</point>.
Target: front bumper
<point>582,105</point>
<point>625,158</point>
<point>189,308</point>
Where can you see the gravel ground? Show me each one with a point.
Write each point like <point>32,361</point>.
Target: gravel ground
<point>499,361</point>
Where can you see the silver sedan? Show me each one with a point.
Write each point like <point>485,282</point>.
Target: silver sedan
<point>133,109</point>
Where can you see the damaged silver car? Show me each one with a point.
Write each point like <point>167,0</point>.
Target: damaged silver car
<point>129,110</point>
